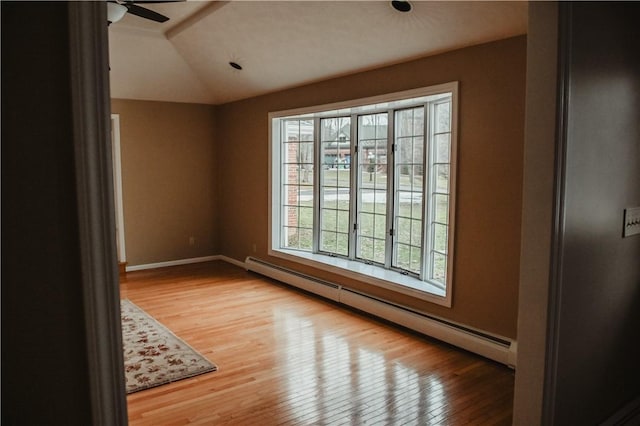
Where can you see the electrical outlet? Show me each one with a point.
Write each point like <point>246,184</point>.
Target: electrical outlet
<point>254,247</point>
<point>631,221</point>
<point>192,241</point>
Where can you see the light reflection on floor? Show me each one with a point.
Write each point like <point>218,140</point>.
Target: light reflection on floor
<point>332,380</point>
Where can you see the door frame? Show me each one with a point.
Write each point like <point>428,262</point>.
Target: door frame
<point>90,98</point>
<point>117,187</point>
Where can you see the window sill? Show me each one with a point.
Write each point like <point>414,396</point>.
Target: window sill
<point>370,274</point>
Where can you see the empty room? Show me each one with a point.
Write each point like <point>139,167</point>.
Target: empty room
<point>261,135</point>
<point>301,212</point>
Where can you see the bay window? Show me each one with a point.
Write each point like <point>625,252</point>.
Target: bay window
<point>366,189</point>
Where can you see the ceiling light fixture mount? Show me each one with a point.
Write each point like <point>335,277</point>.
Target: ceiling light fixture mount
<point>115,12</point>
<point>235,65</point>
<point>401,6</point>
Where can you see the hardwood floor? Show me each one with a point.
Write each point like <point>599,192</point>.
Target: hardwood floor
<point>288,358</point>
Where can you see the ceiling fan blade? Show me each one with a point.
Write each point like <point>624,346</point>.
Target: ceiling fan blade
<point>145,13</point>
<point>154,1</point>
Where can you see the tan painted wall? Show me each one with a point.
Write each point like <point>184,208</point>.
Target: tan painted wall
<point>489,198</point>
<point>169,180</point>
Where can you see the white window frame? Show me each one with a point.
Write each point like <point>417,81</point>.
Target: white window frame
<point>370,274</point>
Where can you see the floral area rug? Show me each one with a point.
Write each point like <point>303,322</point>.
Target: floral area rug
<point>153,355</point>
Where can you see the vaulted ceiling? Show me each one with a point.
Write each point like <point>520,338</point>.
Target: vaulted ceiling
<point>282,44</point>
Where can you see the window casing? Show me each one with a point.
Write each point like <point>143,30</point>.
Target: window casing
<point>369,182</point>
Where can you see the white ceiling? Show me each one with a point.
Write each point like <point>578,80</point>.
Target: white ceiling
<point>282,44</point>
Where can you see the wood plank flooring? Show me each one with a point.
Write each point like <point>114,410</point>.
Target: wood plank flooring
<point>288,358</point>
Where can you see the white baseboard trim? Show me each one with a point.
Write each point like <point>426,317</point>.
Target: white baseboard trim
<point>232,261</point>
<point>497,348</point>
<point>178,262</point>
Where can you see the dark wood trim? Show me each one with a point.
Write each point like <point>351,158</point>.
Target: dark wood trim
<point>628,415</point>
<point>96,214</point>
<point>557,233</point>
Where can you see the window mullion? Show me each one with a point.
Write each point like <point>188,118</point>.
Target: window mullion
<point>426,192</point>
<point>391,210</point>
<point>355,185</point>
<point>282,182</point>
<point>317,174</point>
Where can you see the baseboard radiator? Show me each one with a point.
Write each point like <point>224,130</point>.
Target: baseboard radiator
<point>496,348</point>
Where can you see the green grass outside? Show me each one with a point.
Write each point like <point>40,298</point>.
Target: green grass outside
<point>372,225</point>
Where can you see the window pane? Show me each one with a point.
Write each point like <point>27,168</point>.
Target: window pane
<point>372,173</point>
<point>329,129</point>
<point>297,180</point>
<point>404,123</point>
<point>409,173</point>
<point>418,151</point>
<point>440,188</point>
<point>292,194</point>
<point>373,164</point>
<point>343,178</point>
<point>291,175</point>
<point>291,215</point>
<point>306,177</point>
<point>306,162</point>
<point>418,121</point>
<point>328,241</point>
<point>291,152</point>
<point>440,237</point>
<point>438,271</point>
<point>328,220</point>
<point>404,151</point>
<point>380,201</point>
<point>342,244</point>
<point>306,131</point>
<point>442,114</point>
<point>291,130</point>
<point>367,205</point>
<point>291,237</point>
<point>416,233</point>
<point>379,251</point>
<point>306,217</point>
<point>329,197</point>
<point>404,230</point>
<point>343,221</point>
<point>404,198</point>
<point>305,153</point>
<point>409,182</point>
<point>306,239</point>
<point>334,242</point>
<point>330,177</point>
<point>366,248</point>
<point>381,126</point>
<point>365,224</point>
<point>416,205</point>
<point>336,129</point>
<point>380,227</point>
<point>335,183</point>
<point>415,264</point>
<point>403,254</point>
<point>442,208</point>
<point>442,178</point>
<point>442,148</point>
<point>366,127</point>
<point>297,238</point>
